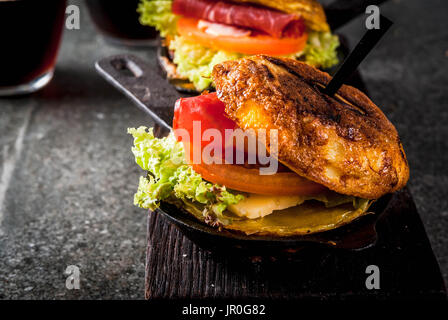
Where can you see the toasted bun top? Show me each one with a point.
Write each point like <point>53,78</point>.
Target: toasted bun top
<point>344,142</point>
<point>311,11</point>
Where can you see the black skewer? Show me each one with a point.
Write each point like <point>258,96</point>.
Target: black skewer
<point>362,49</point>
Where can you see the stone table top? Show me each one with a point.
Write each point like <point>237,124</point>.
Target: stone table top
<point>67,175</point>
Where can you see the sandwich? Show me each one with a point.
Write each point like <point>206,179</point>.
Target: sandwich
<point>203,33</point>
<point>336,154</point>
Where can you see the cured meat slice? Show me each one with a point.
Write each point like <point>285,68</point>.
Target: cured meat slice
<point>275,23</point>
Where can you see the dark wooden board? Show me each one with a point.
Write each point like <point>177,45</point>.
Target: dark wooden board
<point>177,268</point>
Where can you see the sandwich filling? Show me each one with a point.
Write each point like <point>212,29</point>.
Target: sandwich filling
<point>203,33</point>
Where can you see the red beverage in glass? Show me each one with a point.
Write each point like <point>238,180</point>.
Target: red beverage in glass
<point>30,33</point>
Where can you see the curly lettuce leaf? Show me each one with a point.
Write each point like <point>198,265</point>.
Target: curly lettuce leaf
<point>158,14</point>
<point>321,50</point>
<point>170,178</point>
<point>196,62</point>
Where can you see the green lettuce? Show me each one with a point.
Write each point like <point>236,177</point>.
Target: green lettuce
<point>196,62</point>
<point>158,14</point>
<point>321,50</point>
<point>171,179</point>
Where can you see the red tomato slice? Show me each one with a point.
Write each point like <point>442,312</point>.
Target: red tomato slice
<point>249,180</point>
<point>259,44</point>
<point>209,111</point>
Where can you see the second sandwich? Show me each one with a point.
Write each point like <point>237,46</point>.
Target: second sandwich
<point>203,33</point>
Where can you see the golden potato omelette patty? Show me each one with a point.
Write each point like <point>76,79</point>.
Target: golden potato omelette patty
<point>344,142</point>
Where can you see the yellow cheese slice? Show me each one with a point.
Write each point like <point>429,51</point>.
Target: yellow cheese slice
<point>256,206</point>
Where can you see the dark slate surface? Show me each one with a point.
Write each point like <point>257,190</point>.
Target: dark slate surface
<point>67,175</point>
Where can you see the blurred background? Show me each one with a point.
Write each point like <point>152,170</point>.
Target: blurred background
<point>67,175</point>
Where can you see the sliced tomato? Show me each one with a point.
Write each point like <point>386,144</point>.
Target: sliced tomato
<point>249,180</point>
<point>206,109</point>
<point>258,44</point>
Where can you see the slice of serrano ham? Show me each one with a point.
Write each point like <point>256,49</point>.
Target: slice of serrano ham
<point>275,23</point>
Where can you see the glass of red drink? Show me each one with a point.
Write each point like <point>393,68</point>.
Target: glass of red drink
<point>30,35</point>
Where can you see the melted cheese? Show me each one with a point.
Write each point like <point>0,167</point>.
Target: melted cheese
<point>256,206</point>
